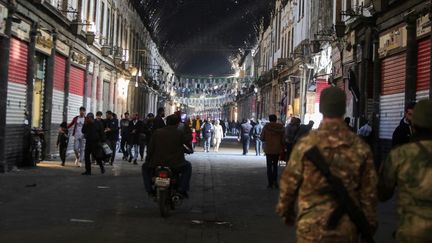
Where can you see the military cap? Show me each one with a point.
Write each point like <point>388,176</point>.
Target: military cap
<point>332,102</point>
<point>422,114</point>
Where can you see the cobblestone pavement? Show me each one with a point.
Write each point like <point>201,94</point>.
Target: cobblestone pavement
<point>229,202</point>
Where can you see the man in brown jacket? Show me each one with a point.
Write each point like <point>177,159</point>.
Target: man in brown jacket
<point>273,141</point>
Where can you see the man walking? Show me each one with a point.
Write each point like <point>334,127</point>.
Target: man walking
<point>403,132</point>
<point>135,128</point>
<point>94,134</point>
<point>273,137</point>
<point>158,121</point>
<point>306,189</point>
<point>257,136</point>
<point>207,129</point>
<point>79,140</point>
<point>244,135</point>
<point>409,167</point>
<point>111,129</point>
<point>124,126</point>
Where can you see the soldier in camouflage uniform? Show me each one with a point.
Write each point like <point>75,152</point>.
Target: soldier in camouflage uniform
<point>348,157</point>
<point>410,168</point>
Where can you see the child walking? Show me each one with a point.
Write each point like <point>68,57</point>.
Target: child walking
<point>194,138</point>
<point>62,141</point>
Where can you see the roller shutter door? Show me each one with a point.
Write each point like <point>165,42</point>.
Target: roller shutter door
<point>76,91</point>
<point>423,69</point>
<point>16,101</point>
<point>392,98</point>
<point>58,92</point>
<point>17,86</point>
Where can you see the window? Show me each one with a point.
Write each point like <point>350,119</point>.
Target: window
<point>303,7</point>
<point>283,47</point>
<point>299,9</point>
<point>292,40</point>
<point>94,11</point>
<point>101,23</point>
<point>108,27</point>
<point>118,30</point>
<point>88,10</point>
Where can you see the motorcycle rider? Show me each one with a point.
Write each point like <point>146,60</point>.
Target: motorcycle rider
<point>166,149</point>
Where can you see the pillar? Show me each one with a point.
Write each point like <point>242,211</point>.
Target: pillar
<point>94,89</point>
<point>48,96</point>
<point>30,71</point>
<point>100,86</point>
<point>111,95</point>
<point>376,97</point>
<point>411,59</point>
<point>66,85</point>
<point>4,73</point>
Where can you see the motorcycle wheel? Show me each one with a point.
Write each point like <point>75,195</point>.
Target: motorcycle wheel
<point>34,156</point>
<point>164,202</point>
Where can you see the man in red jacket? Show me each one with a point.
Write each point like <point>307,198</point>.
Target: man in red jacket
<point>79,140</point>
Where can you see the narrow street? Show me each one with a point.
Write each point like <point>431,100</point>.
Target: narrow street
<point>229,202</point>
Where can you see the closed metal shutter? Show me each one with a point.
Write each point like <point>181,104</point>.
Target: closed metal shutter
<point>423,65</point>
<point>17,86</point>
<point>18,62</point>
<point>16,101</point>
<point>58,92</point>
<point>76,91</point>
<point>392,100</point>
<point>393,75</point>
<point>321,84</point>
<point>423,69</point>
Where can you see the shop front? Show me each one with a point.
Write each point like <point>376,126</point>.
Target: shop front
<point>76,84</point>
<point>16,101</point>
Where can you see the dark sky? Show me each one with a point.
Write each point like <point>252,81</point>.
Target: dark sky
<point>198,37</point>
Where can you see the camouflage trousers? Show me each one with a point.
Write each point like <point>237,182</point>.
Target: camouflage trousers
<point>301,239</point>
<point>414,229</point>
<point>346,232</point>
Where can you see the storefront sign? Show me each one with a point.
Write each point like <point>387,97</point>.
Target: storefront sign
<point>44,42</point>
<point>62,48</point>
<point>21,30</point>
<point>422,25</point>
<point>79,59</point>
<point>394,39</point>
<point>3,16</point>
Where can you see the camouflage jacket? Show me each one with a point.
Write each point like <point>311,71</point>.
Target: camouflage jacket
<point>350,159</point>
<point>410,168</point>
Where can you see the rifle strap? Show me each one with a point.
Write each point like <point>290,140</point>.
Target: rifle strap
<point>317,159</point>
<point>424,151</point>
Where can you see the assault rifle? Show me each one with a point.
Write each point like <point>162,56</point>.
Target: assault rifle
<point>340,194</point>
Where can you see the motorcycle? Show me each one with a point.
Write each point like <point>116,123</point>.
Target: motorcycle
<point>36,145</point>
<point>165,184</point>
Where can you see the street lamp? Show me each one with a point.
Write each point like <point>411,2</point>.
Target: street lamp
<point>340,29</point>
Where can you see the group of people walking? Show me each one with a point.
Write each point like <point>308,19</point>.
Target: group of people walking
<point>211,133</point>
<point>90,133</point>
